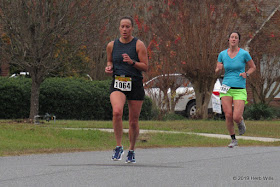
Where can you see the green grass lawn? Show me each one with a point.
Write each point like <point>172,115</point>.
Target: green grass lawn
<point>19,138</point>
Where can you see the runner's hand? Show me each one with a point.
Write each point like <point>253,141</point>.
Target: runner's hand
<point>243,75</point>
<point>109,69</point>
<point>127,59</point>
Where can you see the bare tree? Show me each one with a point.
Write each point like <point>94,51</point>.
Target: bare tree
<point>189,36</point>
<point>38,30</point>
<point>265,82</point>
<point>107,25</point>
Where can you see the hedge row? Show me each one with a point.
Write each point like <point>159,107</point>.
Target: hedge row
<point>66,98</point>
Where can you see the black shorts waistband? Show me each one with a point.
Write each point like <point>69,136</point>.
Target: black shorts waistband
<point>236,88</point>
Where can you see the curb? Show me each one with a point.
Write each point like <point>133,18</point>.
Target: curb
<point>222,136</point>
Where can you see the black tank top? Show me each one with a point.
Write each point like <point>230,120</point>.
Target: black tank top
<point>122,68</point>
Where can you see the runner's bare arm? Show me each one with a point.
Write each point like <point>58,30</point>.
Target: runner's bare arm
<point>219,67</point>
<point>142,55</point>
<point>109,49</point>
<point>252,67</point>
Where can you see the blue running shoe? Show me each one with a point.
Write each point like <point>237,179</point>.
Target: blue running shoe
<point>117,153</point>
<point>130,157</point>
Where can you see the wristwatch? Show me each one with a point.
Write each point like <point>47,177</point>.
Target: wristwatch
<point>247,75</point>
<point>133,62</point>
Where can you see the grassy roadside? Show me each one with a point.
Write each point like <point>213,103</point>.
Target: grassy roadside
<point>18,138</point>
<point>254,128</point>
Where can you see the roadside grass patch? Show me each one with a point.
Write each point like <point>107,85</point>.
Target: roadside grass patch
<point>270,129</point>
<point>26,139</point>
<point>19,138</point>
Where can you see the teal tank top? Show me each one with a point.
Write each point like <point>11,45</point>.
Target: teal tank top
<point>233,67</point>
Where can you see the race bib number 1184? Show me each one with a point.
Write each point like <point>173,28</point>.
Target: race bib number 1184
<point>123,83</point>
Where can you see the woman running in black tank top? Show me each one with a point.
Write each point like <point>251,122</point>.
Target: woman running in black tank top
<point>126,59</point>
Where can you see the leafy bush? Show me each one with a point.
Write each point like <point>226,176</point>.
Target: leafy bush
<point>277,112</point>
<point>173,116</point>
<point>156,113</point>
<point>14,97</point>
<point>66,98</point>
<point>73,99</point>
<point>259,111</point>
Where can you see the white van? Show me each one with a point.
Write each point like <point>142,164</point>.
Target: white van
<point>186,104</point>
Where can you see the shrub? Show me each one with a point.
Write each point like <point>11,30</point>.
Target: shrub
<point>258,111</point>
<point>156,113</point>
<point>277,112</point>
<point>14,97</point>
<point>146,112</point>
<point>66,98</point>
<point>73,99</point>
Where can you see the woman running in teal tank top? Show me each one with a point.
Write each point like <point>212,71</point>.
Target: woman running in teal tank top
<point>233,89</point>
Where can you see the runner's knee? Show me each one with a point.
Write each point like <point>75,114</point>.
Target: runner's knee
<point>237,119</point>
<point>117,113</point>
<point>228,115</point>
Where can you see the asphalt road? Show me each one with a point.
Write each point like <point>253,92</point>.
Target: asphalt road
<point>240,166</point>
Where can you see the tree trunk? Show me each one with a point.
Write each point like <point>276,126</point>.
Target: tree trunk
<point>202,100</point>
<point>34,100</point>
<point>172,101</point>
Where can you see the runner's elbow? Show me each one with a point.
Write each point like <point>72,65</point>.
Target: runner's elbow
<point>145,69</point>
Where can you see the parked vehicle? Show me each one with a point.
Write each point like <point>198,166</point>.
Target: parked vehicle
<point>20,74</point>
<point>185,94</point>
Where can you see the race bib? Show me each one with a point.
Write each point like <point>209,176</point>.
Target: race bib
<point>224,88</point>
<point>123,83</point>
